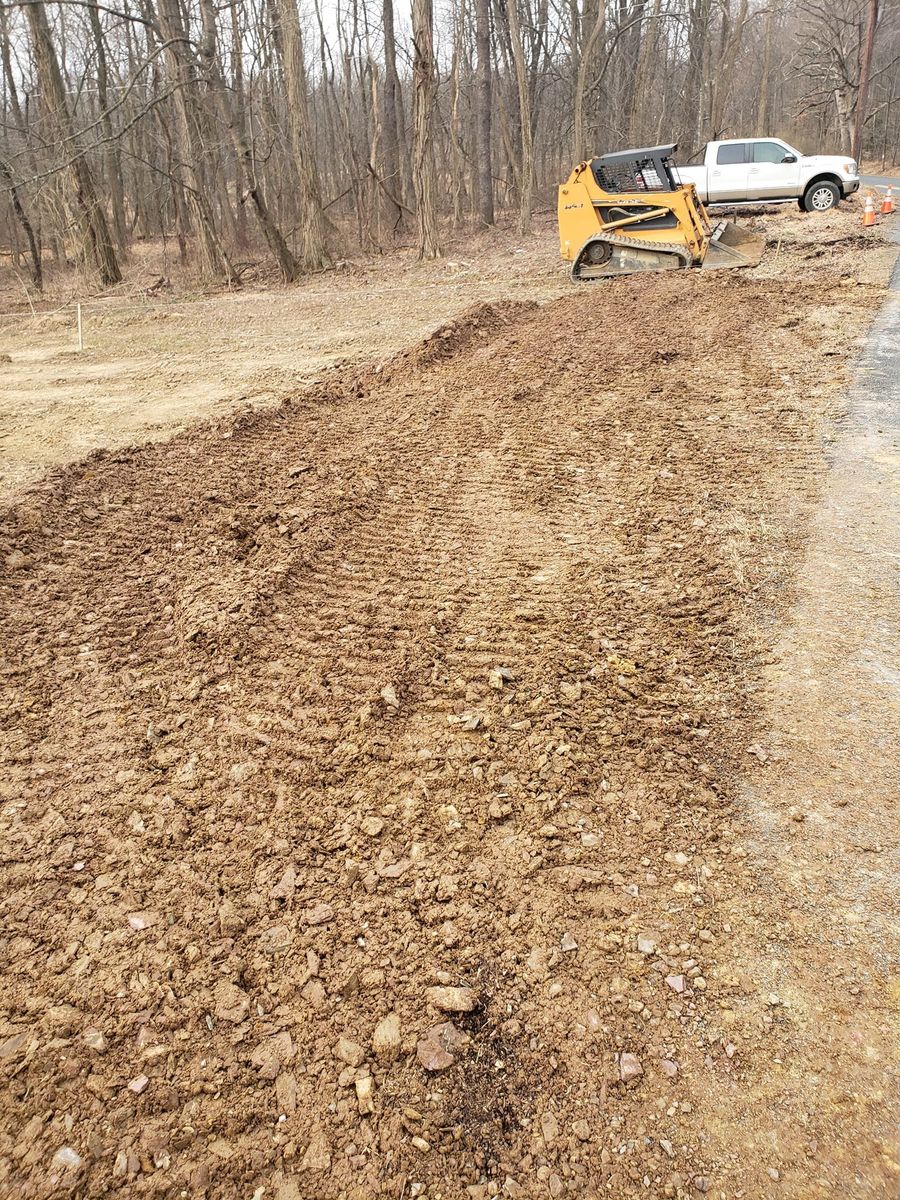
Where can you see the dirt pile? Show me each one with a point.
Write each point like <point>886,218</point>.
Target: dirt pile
<point>366,788</point>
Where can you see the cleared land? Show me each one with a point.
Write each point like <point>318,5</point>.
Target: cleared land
<point>157,358</point>
<point>440,674</point>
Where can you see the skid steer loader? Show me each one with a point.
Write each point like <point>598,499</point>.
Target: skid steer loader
<point>626,212</point>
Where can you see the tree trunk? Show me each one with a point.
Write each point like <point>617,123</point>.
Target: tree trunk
<point>526,169</point>
<point>844,107</point>
<point>314,255</point>
<point>485,175</point>
<point>111,158</point>
<point>214,261</point>
<point>6,179</point>
<point>457,161</point>
<point>584,62</point>
<point>424,87</point>
<point>96,243</point>
<point>287,265</point>
<point>724,73</point>
<point>638,103</point>
<point>390,139</point>
<point>762,110</point>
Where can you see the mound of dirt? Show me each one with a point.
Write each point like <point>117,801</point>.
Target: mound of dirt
<point>480,321</point>
<point>366,789</point>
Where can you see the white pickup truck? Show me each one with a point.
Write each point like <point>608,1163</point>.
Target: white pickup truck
<point>766,171</point>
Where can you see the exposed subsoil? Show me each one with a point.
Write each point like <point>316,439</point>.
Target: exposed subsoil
<point>440,677</point>
<point>158,358</point>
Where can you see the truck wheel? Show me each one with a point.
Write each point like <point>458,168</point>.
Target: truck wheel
<point>821,196</point>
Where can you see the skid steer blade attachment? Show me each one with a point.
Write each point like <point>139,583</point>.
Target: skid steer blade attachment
<point>732,246</point>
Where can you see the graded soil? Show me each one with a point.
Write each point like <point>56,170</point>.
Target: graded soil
<point>371,794</point>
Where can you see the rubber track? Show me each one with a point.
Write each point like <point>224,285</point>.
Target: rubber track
<point>630,243</point>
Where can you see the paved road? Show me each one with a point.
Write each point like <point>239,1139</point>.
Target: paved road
<point>881,181</point>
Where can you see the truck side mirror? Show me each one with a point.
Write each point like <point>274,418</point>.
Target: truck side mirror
<point>789,158</point>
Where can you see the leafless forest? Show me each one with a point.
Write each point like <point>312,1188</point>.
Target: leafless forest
<point>297,132</point>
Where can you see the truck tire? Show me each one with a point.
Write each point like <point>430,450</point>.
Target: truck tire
<point>820,196</point>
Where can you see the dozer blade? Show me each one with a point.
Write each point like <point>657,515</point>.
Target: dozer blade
<point>732,246</point>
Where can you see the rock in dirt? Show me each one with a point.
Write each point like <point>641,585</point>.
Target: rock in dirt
<point>386,1038</point>
<point>66,1159</point>
<point>452,999</point>
<point>349,1052</point>
<point>438,1049</point>
<point>676,983</point>
<point>549,1128</point>
<point>365,1091</point>
<point>230,1003</point>
<point>142,920</point>
<point>273,1054</point>
<point>319,914</point>
<point>286,886</point>
<point>536,964</point>
<point>318,1153</point>
<point>95,1040</point>
<point>13,1047</point>
<point>630,1067</point>
<point>286,1093</point>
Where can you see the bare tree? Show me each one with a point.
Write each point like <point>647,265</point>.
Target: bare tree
<point>526,134</point>
<point>96,243</point>
<point>231,117</point>
<point>392,121</point>
<point>424,87</point>
<point>269,130</point>
<point>214,259</point>
<point>483,152</point>
<point>314,253</point>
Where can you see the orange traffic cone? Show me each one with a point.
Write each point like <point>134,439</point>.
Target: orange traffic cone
<point>887,204</point>
<point>869,211</point>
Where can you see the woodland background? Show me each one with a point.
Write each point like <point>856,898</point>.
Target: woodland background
<point>304,131</point>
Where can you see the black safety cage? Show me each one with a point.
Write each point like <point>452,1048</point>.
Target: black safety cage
<point>645,170</point>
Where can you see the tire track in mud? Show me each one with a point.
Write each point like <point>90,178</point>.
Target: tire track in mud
<point>249,707</point>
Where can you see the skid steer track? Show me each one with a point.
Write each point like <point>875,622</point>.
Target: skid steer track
<point>626,256</point>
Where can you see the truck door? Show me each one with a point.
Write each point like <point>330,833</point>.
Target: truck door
<point>728,174</point>
<point>769,176</point>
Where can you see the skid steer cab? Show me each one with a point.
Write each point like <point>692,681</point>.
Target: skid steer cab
<point>625,212</point>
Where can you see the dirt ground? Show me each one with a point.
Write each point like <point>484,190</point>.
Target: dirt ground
<point>156,360</point>
<point>382,771</point>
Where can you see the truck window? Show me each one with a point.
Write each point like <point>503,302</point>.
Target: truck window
<point>768,152</point>
<point>734,152</point>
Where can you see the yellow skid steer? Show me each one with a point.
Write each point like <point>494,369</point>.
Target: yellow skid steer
<point>627,212</point>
